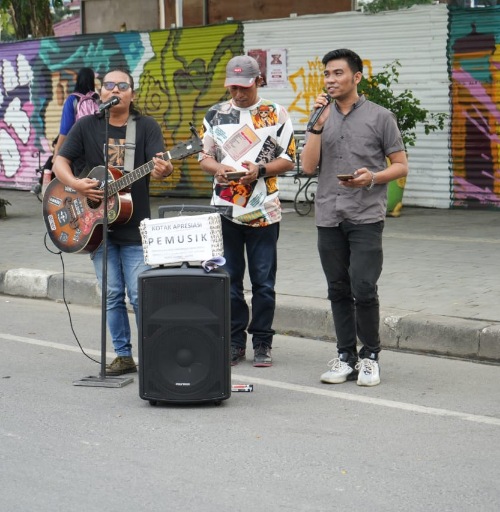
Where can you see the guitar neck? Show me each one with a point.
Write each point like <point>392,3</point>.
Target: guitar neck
<point>181,150</point>
<point>130,177</point>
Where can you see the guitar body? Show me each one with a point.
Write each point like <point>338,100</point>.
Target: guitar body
<point>73,222</point>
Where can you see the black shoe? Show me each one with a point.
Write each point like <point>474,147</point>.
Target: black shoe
<point>262,356</point>
<point>36,188</point>
<point>237,355</point>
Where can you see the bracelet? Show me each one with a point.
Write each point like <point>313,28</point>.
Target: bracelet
<point>315,132</point>
<point>370,186</point>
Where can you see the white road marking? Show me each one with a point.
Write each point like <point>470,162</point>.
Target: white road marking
<point>329,393</point>
<point>51,344</point>
<point>422,409</point>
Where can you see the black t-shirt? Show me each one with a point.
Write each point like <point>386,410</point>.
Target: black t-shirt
<point>84,147</point>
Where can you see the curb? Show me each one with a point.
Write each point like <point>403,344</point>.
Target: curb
<point>297,316</point>
<point>399,329</point>
<point>77,288</point>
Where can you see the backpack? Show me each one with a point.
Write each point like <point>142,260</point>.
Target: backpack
<point>86,104</point>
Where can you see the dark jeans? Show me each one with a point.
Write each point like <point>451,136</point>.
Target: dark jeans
<point>261,252</point>
<point>351,256</point>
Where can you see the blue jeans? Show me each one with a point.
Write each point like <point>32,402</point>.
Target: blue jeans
<point>351,256</point>
<point>261,250</point>
<point>125,263</point>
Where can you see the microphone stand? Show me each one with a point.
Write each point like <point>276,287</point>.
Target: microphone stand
<point>103,380</point>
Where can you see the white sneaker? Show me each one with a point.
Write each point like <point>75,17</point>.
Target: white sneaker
<point>369,372</point>
<point>339,372</point>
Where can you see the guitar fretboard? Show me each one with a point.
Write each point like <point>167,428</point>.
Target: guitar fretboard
<point>127,179</point>
<point>180,150</point>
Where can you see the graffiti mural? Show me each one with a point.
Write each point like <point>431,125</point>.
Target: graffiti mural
<point>474,56</point>
<point>178,74</point>
<point>307,83</point>
<point>183,80</point>
<point>19,145</point>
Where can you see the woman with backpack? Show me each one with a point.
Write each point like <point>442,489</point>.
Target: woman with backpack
<point>82,101</point>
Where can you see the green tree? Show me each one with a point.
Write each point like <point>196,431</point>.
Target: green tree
<point>407,109</point>
<point>60,13</point>
<point>6,28</point>
<point>390,5</point>
<point>30,17</point>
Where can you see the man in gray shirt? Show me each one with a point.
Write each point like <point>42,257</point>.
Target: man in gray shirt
<point>359,149</point>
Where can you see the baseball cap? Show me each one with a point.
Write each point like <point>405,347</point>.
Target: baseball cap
<point>241,71</point>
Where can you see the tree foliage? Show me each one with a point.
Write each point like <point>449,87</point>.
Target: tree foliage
<point>30,17</point>
<point>407,109</point>
<point>60,13</point>
<point>390,5</point>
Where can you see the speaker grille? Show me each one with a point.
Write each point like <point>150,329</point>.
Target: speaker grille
<point>184,335</point>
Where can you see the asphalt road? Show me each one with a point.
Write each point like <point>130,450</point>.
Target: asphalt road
<point>425,439</point>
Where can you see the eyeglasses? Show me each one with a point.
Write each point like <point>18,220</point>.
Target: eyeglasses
<point>122,86</point>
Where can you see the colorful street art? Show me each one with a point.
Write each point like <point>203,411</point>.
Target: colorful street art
<point>179,74</point>
<point>307,82</point>
<point>176,78</point>
<point>474,57</point>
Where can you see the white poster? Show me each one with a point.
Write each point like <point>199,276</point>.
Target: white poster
<point>276,68</point>
<point>181,238</point>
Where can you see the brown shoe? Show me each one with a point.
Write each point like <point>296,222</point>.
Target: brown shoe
<point>121,365</point>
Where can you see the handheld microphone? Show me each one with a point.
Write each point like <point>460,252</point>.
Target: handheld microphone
<point>317,114</point>
<point>114,100</point>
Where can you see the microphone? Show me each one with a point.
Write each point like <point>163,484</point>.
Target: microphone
<point>114,100</point>
<point>317,114</point>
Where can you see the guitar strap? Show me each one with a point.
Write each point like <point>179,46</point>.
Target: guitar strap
<point>128,164</point>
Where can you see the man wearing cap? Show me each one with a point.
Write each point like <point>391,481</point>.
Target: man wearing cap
<point>235,139</point>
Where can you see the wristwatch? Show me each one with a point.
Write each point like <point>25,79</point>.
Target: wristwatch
<point>262,170</point>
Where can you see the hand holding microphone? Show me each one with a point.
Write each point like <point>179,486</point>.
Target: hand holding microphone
<point>317,114</point>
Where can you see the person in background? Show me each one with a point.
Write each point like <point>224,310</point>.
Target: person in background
<point>85,146</point>
<point>235,139</point>
<point>85,83</point>
<point>359,139</point>
<point>45,172</point>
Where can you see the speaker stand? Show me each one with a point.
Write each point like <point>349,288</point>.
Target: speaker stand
<point>106,382</point>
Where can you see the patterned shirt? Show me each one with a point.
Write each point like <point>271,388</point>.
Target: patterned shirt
<point>259,134</point>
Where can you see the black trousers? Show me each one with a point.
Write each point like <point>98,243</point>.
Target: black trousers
<point>351,256</point>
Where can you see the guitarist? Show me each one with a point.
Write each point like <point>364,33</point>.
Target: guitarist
<point>84,149</point>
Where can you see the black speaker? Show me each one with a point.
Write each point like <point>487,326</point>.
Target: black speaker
<point>184,335</point>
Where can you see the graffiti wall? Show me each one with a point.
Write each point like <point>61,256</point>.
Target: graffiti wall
<point>417,38</point>
<point>450,60</point>
<point>179,74</point>
<point>474,60</point>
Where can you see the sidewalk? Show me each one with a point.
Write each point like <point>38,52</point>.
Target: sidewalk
<point>439,290</point>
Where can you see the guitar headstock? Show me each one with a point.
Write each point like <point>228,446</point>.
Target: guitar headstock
<point>190,147</point>
<point>196,135</point>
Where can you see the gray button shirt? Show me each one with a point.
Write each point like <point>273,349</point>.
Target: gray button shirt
<point>362,138</point>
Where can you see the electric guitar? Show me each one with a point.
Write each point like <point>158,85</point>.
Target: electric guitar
<point>74,222</point>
